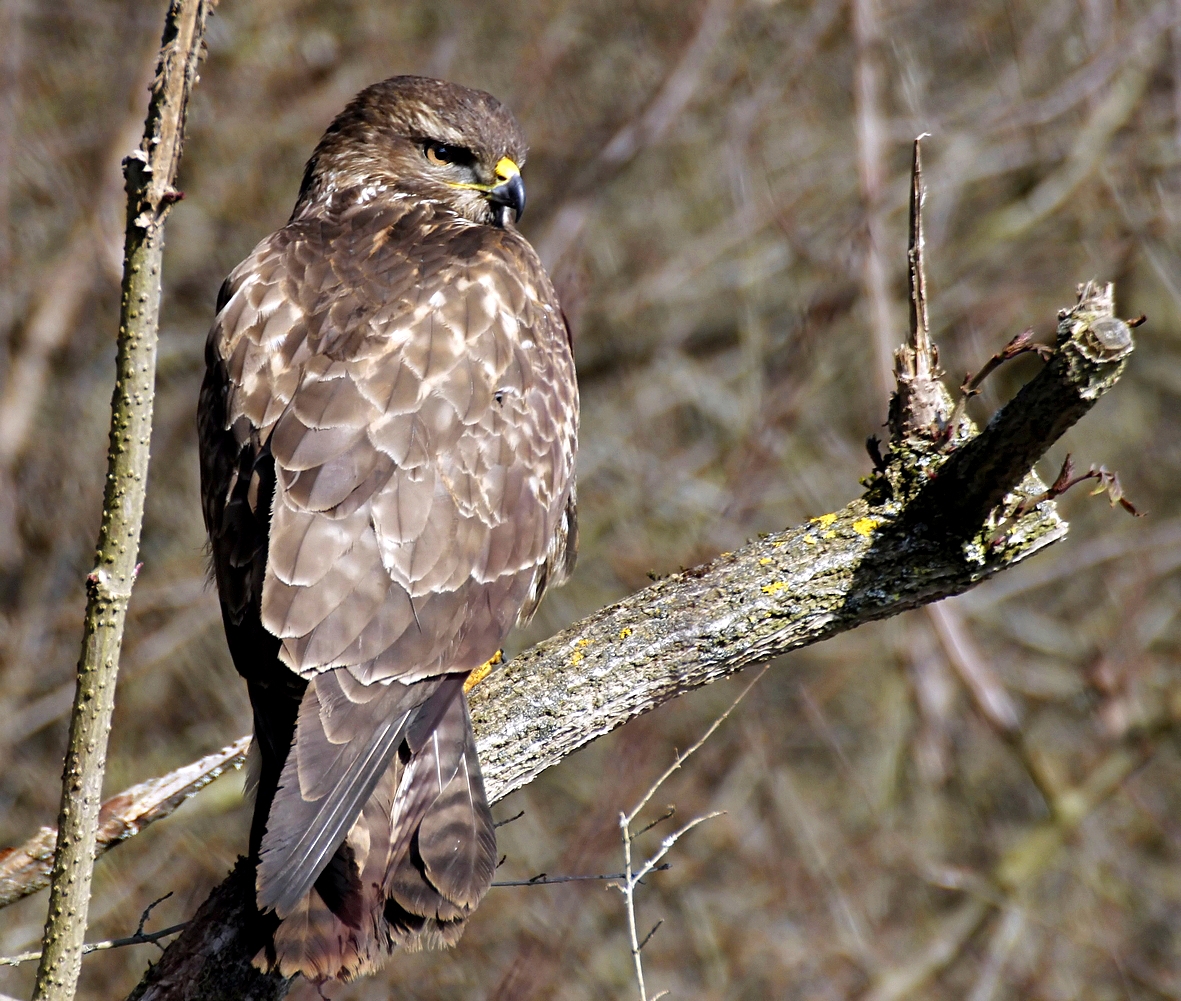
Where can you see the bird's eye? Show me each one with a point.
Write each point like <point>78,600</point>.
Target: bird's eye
<point>442,154</point>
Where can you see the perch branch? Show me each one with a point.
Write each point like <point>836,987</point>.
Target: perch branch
<point>882,554</point>
<point>150,172</point>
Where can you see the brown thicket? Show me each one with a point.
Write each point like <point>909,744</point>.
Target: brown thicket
<point>971,800</point>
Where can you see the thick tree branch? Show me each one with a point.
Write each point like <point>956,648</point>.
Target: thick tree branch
<point>1092,347</point>
<point>887,551</point>
<point>941,513</point>
<point>150,172</point>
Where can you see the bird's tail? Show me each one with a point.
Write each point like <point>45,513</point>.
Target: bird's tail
<point>413,865</point>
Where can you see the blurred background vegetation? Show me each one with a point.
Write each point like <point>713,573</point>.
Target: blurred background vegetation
<point>719,189</point>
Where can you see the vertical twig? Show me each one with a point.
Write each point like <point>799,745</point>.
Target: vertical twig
<point>632,879</point>
<point>920,404</point>
<point>920,324</point>
<point>150,172</point>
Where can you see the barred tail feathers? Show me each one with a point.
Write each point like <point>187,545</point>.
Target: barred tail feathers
<point>414,864</point>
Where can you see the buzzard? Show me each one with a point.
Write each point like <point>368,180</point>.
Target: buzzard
<point>388,425</point>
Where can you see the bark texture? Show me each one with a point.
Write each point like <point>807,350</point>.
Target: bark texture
<point>149,172</point>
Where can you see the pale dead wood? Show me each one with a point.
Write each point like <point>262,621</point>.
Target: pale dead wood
<point>25,869</point>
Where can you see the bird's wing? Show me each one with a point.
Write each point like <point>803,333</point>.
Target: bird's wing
<point>420,409</point>
<point>411,381</point>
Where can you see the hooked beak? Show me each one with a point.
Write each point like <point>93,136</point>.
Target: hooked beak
<point>509,189</point>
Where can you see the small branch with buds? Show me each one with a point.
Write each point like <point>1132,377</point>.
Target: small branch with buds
<point>1107,482</point>
<point>1022,344</point>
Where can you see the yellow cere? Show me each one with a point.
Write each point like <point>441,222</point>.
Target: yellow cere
<point>775,588</point>
<point>506,169</point>
<point>866,526</point>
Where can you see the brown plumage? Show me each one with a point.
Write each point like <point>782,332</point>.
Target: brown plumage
<point>388,426</point>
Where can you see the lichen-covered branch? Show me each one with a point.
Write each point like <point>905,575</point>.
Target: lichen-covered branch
<point>1092,347</point>
<point>150,172</point>
<point>882,554</point>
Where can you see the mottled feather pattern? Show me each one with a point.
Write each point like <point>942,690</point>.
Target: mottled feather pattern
<point>388,428</point>
<point>421,415</point>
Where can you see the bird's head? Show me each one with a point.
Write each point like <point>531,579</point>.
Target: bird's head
<point>425,138</point>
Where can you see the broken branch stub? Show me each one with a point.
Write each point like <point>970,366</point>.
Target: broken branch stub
<point>921,405</point>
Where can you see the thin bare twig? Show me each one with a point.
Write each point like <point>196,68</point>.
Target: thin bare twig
<point>681,758</point>
<point>1023,343</point>
<point>543,879</point>
<point>632,878</point>
<point>138,937</point>
<point>509,820</point>
<point>1107,482</point>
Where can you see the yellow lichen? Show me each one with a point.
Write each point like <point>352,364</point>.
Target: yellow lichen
<point>625,632</point>
<point>576,656</point>
<point>774,588</point>
<point>866,526</point>
<point>764,561</point>
<point>825,520</point>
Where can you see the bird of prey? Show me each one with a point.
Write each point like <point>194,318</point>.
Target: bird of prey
<point>388,426</point>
